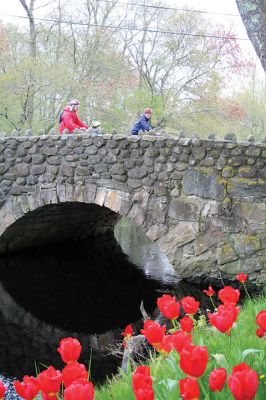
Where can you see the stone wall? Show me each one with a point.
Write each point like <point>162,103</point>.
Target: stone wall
<point>203,201</point>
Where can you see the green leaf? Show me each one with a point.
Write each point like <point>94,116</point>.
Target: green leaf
<point>246,352</point>
<point>173,364</point>
<point>200,341</point>
<point>170,384</point>
<point>220,360</point>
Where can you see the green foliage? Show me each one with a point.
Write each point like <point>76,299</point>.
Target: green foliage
<point>244,114</point>
<point>117,74</point>
<point>253,101</point>
<point>118,388</point>
<point>224,352</point>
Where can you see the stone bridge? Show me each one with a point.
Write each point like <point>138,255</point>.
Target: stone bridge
<point>202,201</point>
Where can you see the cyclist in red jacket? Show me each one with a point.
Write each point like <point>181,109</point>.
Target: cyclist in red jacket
<point>69,118</point>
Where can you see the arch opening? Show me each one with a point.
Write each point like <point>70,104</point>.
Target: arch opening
<point>55,223</point>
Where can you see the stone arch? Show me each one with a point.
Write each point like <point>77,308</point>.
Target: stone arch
<point>119,203</point>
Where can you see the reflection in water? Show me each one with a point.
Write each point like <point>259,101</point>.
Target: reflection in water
<point>86,289</point>
<point>143,252</point>
<point>87,286</point>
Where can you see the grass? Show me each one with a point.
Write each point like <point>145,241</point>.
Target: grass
<point>224,351</point>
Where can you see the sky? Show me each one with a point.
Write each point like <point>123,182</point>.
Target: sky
<point>13,7</point>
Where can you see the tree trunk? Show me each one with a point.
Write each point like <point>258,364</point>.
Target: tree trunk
<point>33,53</point>
<point>54,113</point>
<point>253,13</point>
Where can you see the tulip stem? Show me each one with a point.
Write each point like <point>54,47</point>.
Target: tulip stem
<point>174,322</point>
<point>212,303</point>
<point>203,390</point>
<point>247,293</point>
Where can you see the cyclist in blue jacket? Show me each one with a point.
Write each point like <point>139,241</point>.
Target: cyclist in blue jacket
<point>143,122</point>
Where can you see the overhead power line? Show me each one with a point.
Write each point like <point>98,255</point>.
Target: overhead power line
<point>170,8</point>
<point>128,28</point>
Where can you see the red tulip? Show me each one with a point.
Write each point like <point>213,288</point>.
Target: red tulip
<point>190,305</point>
<point>79,391</point>
<point>229,308</point>
<point>243,382</point>
<point>69,349</point>
<point>45,396</point>
<point>241,277</point>
<point>229,295</point>
<point>224,318</point>
<point>166,344</point>
<point>260,333</point>
<point>181,340</point>
<point>50,381</point>
<point>28,389</point>
<point>210,292</point>
<point>193,360</point>
<point>2,390</point>
<point>153,332</point>
<point>177,341</point>
<point>217,379</point>
<point>222,322</point>
<point>168,306</point>
<point>72,372</point>
<point>240,368</point>
<point>128,333</point>
<point>186,324</point>
<point>189,389</point>
<point>261,320</point>
<point>142,383</point>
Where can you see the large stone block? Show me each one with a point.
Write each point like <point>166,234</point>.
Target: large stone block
<point>206,240</point>
<point>21,170</point>
<point>38,169</point>
<point>246,187</point>
<point>138,173</point>
<point>156,231</point>
<point>152,153</point>
<point>226,254</point>
<point>137,214</point>
<point>253,267</point>
<point>183,210</point>
<point>253,213</point>
<point>89,193</point>
<point>118,169</point>
<point>253,152</point>
<point>110,159</point>
<point>37,158</point>
<point>54,160</point>
<point>66,170</point>
<point>83,171</point>
<point>203,264</point>
<point>246,245</point>
<point>91,150</point>
<point>237,161</point>
<point>203,182</point>
<point>134,183</point>
<point>178,235</point>
<point>199,153</point>
<point>247,172</point>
